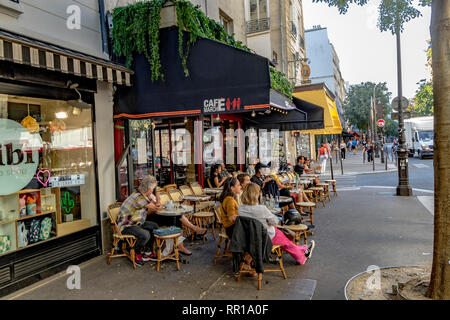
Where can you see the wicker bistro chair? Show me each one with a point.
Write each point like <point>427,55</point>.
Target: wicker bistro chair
<point>223,239</point>
<point>163,198</point>
<point>169,187</point>
<point>128,241</point>
<point>175,195</point>
<point>279,252</point>
<point>198,191</point>
<point>159,241</point>
<point>333,183</point>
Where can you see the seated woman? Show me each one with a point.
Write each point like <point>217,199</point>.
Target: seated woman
<point>286,193</point>
<point>154,199</point>
<point>251,209</point>
<point>308,170</point>
<point>215,178</point>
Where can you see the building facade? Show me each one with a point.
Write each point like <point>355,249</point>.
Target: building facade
<point>275,30</point>
<point>56,105</point>
<point>324,64</point>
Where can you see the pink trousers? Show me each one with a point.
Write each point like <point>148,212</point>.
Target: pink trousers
<point>297,252</point>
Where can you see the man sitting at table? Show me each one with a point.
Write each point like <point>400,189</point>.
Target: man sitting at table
<point>132,219</point>
<point>300,166</point>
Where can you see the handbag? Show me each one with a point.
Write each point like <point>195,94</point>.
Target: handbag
<point>292,217</point>
<point>22,235</point>
<point>46,227</point>
<point>167,231</point>
<point>35,230</point>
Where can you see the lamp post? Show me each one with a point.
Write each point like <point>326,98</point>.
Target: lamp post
<point>403,188</point>
<point>376,154</point>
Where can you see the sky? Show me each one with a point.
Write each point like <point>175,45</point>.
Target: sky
<point>367,54</point>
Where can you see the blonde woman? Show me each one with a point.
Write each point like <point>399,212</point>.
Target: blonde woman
<point>252,209</point>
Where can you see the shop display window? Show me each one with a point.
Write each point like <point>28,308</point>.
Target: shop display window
<point>47,174</point>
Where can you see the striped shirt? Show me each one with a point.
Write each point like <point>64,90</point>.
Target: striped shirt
<point>133,211</point>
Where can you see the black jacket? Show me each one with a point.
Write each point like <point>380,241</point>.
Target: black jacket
<point>249,235</point>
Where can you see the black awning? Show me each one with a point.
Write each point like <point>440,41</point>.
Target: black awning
<point>314,114</point>
<point>293,120</point>
<point>303,116</point>
<point>222,79</point>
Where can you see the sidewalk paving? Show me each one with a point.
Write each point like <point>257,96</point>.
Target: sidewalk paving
<point>353,164</point>
<point>356,230</point>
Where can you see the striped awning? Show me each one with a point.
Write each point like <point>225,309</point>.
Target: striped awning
<point>23,50</point>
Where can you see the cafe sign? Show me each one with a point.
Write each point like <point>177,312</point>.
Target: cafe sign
<point>19,156</point>
<point>221,105</point>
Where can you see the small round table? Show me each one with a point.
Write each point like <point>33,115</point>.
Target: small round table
<point>213,191</point>
<point>195,199</point>
<point>178,211</point>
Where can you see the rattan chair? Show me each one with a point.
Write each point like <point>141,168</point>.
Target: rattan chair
<point>128,241</point>
<point>223,239</point>
<point>279,252</point>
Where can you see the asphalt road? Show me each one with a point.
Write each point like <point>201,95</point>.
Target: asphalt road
<point>421,176</point>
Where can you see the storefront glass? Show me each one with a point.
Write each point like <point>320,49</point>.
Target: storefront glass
<point>303,145</point>
<point>47,171</point>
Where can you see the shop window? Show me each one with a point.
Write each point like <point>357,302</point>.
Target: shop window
<point>47,173</point>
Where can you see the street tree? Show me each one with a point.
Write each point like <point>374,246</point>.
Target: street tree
<point>440,37</point>
<point>423,100</point>
<point>357,103</point>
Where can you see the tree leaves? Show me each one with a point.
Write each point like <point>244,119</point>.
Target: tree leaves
<point>393,14</point>
<point>357,102</point>
<point>423,101</point>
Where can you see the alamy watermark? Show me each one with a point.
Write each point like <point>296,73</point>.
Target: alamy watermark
<point>74,280</point>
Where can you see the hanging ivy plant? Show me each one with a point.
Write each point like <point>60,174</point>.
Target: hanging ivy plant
<point>136,31</point>
<point>280,82</point>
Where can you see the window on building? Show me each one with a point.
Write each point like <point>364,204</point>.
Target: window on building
<point>226,22</point>
<point>258,9</point>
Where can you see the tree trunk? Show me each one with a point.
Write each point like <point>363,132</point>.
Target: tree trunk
<point>440,36</point>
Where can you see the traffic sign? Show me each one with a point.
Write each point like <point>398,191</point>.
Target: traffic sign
<point>381,123</point>
<point>404,103</point>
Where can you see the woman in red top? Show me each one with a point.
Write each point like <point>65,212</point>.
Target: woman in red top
<point>322,156</point>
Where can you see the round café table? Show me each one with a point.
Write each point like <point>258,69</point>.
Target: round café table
<point>177,211</point>
<point>213,191</point>
<point>195,199</point>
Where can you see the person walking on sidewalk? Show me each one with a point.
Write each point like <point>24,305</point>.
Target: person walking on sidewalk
<point>342,146</point>
<point>369,149</point>
<point>354,144</point>
<point>323,155</point>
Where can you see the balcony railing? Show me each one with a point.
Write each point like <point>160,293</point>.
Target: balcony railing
<point>258,25</point>
<point>293,30</point>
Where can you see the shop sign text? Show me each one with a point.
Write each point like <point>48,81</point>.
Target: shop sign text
<point>221,105</point>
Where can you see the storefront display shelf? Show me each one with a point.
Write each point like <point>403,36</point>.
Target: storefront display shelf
<point>7,222</point>
<point>36,215</point>
<point>73,226</point>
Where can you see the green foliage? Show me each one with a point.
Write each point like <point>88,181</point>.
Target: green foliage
<point>280,82</point>
<point>391,128</point>
<point>393,14</point>
<point>423,101</point>
<point>357,103</point>
<point>136,31</point>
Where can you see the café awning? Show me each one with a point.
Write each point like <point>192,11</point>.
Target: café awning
<point>222,80</point>
<point>302,116</point>
<point>320,95</point>
<point>26,51</point>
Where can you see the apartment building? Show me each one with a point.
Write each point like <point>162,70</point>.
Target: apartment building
<point>275,30</point>
<point>324,64</point>
<point>230,13</point>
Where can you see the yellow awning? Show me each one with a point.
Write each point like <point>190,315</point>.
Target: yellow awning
<point>320,95</point>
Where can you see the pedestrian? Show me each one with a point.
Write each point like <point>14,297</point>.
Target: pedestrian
<point>322,156</point>
<point>354,143</point>
<point>369,150</point>
<point>343,150</point>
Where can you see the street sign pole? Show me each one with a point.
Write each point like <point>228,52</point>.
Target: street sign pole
<point>403,188</point>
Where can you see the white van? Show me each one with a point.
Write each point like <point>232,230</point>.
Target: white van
<point>419,135</point>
